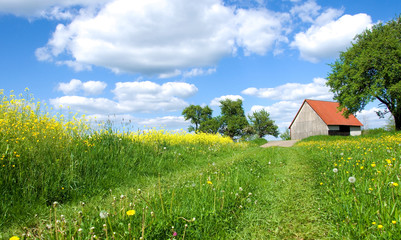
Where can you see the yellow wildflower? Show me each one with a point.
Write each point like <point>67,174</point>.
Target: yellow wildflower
<point>394,222</point>
<point>373,165</point>
<point>379,226</point>
<point>209,182</point>
<point>131,212</point>
<point>14,238</point>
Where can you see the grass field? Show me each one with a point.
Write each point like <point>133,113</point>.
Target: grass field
<point>62,179</point>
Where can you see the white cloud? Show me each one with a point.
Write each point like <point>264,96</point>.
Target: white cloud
<point>198,72</point>
<point>258,30</point>
<point>282,112</point>
<point>87,105</point>
<point>170,74</point>
<point>325,41</point>
<point>307,11</point>
<point>369,118</point>
<point>168,122</point>
<point>163,36</point>
<point>294,91</point>
<point>45,8</point>
<point>75,86</point>
<point>216,101</point>
<point>130,97</point>
<point>93,87</point>
<point>133,123</point>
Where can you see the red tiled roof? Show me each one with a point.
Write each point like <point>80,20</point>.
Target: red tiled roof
<point>329,113</point>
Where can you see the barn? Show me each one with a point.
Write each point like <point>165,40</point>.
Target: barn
<point>322,118</point>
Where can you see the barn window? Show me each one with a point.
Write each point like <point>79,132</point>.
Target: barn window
<point>342,131</point>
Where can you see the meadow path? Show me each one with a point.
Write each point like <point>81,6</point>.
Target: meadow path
<point>289,206</point>
<point>287,143</point>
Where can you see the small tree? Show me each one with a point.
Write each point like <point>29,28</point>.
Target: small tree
<point>197,115</point>
<point>262,124</point>
<point>212,125</point>
<point>286,135</point>
<point>232,118</point>
<point>370,69</point>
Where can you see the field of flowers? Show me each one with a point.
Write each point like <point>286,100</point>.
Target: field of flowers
<point>359,178</point>
<point>61,179</point>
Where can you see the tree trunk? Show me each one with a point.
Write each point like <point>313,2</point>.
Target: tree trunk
<point>397,121</point>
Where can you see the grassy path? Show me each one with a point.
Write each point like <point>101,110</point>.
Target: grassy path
<point>288,204</point>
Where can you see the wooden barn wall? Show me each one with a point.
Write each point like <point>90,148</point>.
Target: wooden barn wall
<point>307,123</point>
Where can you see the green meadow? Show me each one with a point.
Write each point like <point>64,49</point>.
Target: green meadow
<point>63,178</point>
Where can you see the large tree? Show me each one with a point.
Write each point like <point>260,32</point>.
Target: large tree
<point>370,69</point>
<point>197,115</point>
<point>232,118</point>
<point>262,124</point>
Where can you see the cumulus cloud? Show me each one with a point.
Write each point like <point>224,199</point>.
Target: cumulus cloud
<point>161,36</point>
<point>307,11</point>
<point>130,97</point>
<point>281,112</point>
<point>294,91</point>
<point>75,86</point>
<point>53,9</point>
<point>327,40</point>
<point>369,118</point>
<point>168,122</point>
<point>198,72</point>
<point>259,29</point>
<point>216,101</point>
<point>130,122</point>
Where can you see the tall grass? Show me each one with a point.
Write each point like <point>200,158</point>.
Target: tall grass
<point>359,180</point>
<point>52,164</point>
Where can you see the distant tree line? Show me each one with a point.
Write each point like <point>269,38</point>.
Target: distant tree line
<point>232,122</point>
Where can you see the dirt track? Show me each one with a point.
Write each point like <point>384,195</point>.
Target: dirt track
<point>288,143</point>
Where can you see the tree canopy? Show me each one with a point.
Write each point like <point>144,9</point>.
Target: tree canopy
<point>262,124</point>
<point>197,115</point>
<point>370,69</point>
<point>232,118</point>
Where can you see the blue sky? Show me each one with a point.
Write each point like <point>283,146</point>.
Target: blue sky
<point>145,61</point>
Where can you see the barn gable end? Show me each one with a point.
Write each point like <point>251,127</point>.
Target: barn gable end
<point>322,118</point>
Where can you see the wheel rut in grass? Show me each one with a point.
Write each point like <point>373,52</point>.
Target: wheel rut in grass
<point>288,207</point>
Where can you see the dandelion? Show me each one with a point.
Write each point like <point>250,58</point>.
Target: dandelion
<point>209,182</point>
<point>370,189</point>
<point>321,184</point>
<point>379,226</point>
<point>352,179</point>
<point>374,223</point>
<point>131,212</point>
<point>394,184</point>
<point>373,165</point>
<point>335,170</point>
<point>103,214</point>
<point>14,238</point>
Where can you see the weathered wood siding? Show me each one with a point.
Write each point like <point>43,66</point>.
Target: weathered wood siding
<point>307,123</point>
